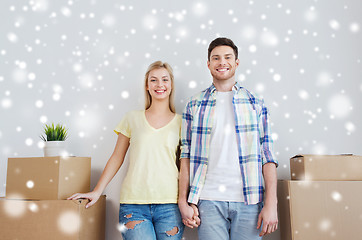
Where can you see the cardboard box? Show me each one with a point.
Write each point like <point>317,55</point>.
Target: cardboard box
<point>320,210</point>
<point>326,167</point>
<point>52,219</point>
<point>47,178</point>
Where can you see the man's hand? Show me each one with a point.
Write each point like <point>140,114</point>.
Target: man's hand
<point>269,218</point>
<point>190,215</point>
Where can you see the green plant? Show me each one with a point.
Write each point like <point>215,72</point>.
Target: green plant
<point>54,133</point>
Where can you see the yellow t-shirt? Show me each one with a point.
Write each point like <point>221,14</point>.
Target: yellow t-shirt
<point>152,176</point>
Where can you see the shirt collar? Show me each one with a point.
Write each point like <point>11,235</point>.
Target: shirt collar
<point>237,86</point>
<point>212,88</point>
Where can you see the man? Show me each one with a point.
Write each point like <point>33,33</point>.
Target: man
<point>226,154</point>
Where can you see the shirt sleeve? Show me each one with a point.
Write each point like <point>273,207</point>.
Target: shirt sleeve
<point>266,140</point>
<point>124,126</point>
<point>186,132</point>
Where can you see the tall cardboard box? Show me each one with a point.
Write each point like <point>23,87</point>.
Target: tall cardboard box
<point>346,167</point>
<point>52,219</point>
<point>47,178</point>
<point>320,210</point>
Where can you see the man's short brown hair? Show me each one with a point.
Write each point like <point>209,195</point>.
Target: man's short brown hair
<point>222,41</point>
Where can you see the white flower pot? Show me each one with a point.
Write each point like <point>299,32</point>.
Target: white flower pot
<point>54,148</point>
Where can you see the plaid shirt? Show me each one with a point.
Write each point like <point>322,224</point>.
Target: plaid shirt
<point>253,138</point>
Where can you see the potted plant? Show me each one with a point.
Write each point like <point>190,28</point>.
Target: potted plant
<point>54,138</point>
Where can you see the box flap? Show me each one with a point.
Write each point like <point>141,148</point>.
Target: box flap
<point>52,219</point>
<point>325,210</point>
<point>345,167</point>
<point>32,178</point>
<point>74,176</point>
<point>284,209</point>
<point>321,155</point>
<point>93,219</point>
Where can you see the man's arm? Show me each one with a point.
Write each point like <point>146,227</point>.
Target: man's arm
<point>269,214</point>
<point>189,213</point>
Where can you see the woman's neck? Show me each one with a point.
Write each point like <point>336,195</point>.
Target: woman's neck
<point>159,107</point>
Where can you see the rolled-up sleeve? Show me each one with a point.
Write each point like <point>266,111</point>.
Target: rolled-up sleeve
<point>266,140</point>
<point>186,132</point>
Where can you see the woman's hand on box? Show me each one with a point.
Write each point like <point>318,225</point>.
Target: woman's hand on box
<point>91,196</point>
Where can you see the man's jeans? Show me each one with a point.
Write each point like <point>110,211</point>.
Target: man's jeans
<point>228,220</point>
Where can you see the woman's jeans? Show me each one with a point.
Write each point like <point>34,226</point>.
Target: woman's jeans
<point>150,222</point>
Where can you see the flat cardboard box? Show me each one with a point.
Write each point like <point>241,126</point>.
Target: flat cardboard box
<point>320,210</point>
<point>47,178</point>
<point>345,167</point>
<point>52,219</point>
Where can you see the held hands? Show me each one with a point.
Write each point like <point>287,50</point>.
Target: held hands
<point>269,217</point>
<point>92,196</point>
<point>190,215</point>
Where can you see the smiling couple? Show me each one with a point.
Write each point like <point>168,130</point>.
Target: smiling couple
<point>226,155</point>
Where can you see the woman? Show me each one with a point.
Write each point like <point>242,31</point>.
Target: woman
<point>148,202</point>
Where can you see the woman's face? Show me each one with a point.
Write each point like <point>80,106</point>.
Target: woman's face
<point>159,84</point>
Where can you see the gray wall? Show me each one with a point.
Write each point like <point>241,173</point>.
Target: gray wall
<point>82,63</point>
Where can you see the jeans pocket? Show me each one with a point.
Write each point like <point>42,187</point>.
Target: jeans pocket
<point>260,205</point>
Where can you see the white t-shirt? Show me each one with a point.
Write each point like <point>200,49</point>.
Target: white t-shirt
<point>223,177</point>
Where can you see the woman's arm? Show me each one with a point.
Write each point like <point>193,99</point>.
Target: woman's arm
<point>112,167</point>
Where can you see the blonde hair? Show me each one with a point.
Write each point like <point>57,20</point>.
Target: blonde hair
<point>148,98</point>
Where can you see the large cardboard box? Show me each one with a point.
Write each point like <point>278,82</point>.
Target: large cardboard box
<point>47,178</point>
<point>346,167</point>
<point>320,210</point>
<point>52,219</point>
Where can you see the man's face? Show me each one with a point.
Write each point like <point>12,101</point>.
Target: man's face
<point>222,63</point>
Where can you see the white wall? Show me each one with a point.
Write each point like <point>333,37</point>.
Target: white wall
<point>82,63</point>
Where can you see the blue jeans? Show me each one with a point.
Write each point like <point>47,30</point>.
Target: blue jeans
<point>228,220</point>
<point>150,222</point>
